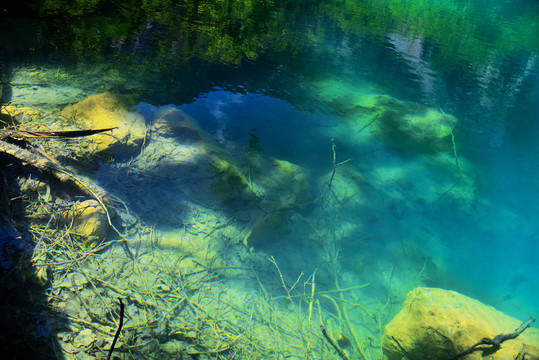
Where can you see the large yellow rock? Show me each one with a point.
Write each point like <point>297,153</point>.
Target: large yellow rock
<point>107,110</point>
<point>439,324</point>
<point>88,220</point>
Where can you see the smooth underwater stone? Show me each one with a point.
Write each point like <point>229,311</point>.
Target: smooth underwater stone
<point>439,324</point>
<point>107,110</point>
<point>414,127</point>
<point>89,221</point>
<point>404,125</point>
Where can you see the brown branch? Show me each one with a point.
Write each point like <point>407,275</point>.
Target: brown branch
<point>119,329</point>
<point>53,167</point>
<point>24,134</point>
<point>333,343</point>
<point>496,341</point>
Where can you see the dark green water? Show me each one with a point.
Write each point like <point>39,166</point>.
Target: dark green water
<point>293,70</point>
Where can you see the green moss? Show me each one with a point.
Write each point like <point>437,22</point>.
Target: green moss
<point>230,182</point>
<point>432,123</point>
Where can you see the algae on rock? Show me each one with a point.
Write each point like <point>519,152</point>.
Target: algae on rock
<point>413,127</point>
<point>437,324</point>
<point>107,110</point>
<point>182,168</point>
<point>405,125</point>
<point>88,220</point>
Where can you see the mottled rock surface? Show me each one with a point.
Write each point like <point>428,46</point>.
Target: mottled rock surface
<point>107,110</point>
<point>439,324</point>
<point>89,220</point>
<point>413,127</point>
<point>181,164</point>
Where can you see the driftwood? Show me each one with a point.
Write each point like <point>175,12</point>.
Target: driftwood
<point>122,307</point>
<point>494,344</point>
<point>42,161</point>
<point>24,134</point>
<point>46,163</point>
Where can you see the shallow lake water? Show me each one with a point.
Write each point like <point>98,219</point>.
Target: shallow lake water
<point>388,143</point>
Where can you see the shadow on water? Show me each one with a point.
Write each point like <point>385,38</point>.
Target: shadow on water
<point>26,314</point>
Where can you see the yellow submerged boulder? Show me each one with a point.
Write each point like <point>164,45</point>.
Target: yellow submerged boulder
<point>88,220</point>
<point>107,110</point>
<point>440,324</point>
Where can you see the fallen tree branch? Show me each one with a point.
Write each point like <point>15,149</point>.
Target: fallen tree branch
<point>24,134</point>
<point>63,174</point>
<point>333,343</point>
<point>496,341</point>
<point>43,163</point>
<point>119,329</point>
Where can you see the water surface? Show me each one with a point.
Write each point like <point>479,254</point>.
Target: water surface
<point>303,81</point>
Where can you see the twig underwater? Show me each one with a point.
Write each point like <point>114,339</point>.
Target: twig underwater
<point>334,161</point>
<point>25,134</point>
<point>495,343</point>
<point>333,343</point>
<point>122,307</point>
<point>457,162</point>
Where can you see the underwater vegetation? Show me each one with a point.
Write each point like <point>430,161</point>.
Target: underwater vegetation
<point>269,179</point>
<point>190,223</point>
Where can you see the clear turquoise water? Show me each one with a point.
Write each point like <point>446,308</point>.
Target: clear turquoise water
<point>291,70</point>
<point>488,247</point>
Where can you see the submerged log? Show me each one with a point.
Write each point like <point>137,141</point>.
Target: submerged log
<point>46,164</point>
<point>24,134</point>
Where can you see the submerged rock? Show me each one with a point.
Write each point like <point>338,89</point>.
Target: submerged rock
<point>279,183</point>
<point>9,112</point>
<point>182,167</point>
<point>281,189</point>
<point>413,127</point>
<point>107,110</point>
<point>89,220</point>
<point>439,324</point>
<point>405,125</point>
